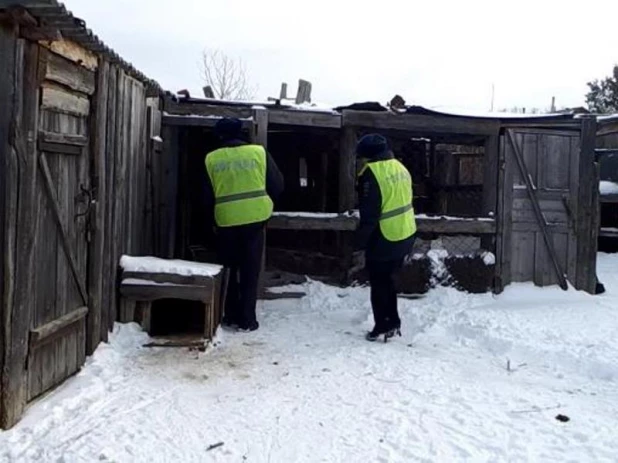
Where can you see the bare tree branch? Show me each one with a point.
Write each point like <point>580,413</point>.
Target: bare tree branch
<point>226,76</point>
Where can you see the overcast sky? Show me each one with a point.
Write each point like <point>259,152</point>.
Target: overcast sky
<point>434,53</point>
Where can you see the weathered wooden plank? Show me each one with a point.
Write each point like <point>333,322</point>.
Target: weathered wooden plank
<point>109,284</point>
<point>347,169</point>
<point>199,121</point>
<point>195,280</point>
<point>62,138</point>
<point>588,186</point>
<point>96,247</point>
<point>153,293</point>
<point>572,206</point>
<point>490,174</point>
<point>342,222</point>
<point>58,99</point>
<point>60,148</point>
<point>126,309</point>
<point>56,328</point>
<point>55,363</point>
<point>607,199</point>
<point>417,124</point>
<point>202,109</point>
<point>523,256</point>
<point>608,232</point>
<point>70,74</point>
<point>7,56</point>
<point>48,182</point>
<point>259,133</point>
<point>17,213</point>
<point>73,52</point>
<point>304,118</point>
<point>504,218</point>
<point>119,188</point>
<point>166,193</point>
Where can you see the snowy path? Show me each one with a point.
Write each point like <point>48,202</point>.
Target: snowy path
<point>308,388</point>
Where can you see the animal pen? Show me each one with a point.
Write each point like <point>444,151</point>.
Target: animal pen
<point>101,213</point>
<point>497,200</point>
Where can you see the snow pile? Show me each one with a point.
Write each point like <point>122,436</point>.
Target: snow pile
<point>474,378</point>
<point>608,188</point>
<point>149,264</point>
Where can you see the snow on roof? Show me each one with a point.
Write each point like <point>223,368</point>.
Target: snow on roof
<point>147,264</point>
<point>608,188</point>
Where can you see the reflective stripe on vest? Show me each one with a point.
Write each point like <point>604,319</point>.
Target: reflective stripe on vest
<point>238,177</point>
<point>397,221</point>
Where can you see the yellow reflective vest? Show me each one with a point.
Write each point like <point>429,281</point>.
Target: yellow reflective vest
<point>397,221</point>
<point>238,177</point>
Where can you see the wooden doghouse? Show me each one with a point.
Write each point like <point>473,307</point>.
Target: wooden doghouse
<point>148,280</point>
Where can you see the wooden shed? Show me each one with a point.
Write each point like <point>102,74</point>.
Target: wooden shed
<point>519,191</point>
<point>76,136</point>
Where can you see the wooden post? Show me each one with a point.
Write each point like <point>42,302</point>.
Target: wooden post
<point>586,220</point>
<point>259,132</point>
<point>96,246</point>
<point>259,135</point>
<point>347,169</point>
<point>304,92</point>
<point>19,168</point>
<point>490,184</point>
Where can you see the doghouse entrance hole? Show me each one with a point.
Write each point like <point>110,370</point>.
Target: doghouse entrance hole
<point>177,316</point>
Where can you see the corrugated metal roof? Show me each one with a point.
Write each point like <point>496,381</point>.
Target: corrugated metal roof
<point>54,14</point>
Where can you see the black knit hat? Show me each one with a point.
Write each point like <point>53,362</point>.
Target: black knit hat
<point>371,146</point>
<point>228,128</point>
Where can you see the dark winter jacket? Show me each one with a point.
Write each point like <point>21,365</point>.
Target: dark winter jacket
<point>274,179</point>
<point>368,236</point>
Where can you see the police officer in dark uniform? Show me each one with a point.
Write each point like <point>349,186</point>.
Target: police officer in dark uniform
<point>387,228</point>
<point>242,183</point>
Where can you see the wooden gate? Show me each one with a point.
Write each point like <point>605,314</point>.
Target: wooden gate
<point>57,342</point>
<point>542,219</point>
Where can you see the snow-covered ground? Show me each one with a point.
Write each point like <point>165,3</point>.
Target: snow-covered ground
<point>307,387</point>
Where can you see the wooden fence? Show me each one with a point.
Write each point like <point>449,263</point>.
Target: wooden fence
<point>76,135</point>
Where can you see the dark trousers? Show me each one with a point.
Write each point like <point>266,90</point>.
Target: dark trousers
<point>240,251</point>
<point>384,293</point>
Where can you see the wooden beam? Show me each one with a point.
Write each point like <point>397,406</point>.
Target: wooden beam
<point>52,330</point>
<point>188,108</point>
<point>347,169</point>
<point>588,208</point>
<point>73,52</point>
<point>608,232</point>
<point>420,124</point>
<point>303,94</point>
<point>96,246</point>
<point>69,74</point>
<point>145,293</point>
<point>62,138</point>
<point>609,198</point>
<point>198,121</point>
<point>259,132</point>
<point>58,99</point>
<point>304,118</point>
<point>490,174</point>
<point>171,278</point>
<point>341,222</point>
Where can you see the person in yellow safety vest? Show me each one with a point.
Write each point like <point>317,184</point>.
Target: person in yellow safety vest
<point>242,181</point>
<point>387,228</point>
